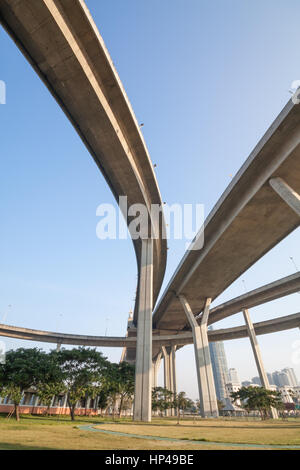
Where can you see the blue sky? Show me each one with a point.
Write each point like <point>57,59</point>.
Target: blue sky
<point>207,78</point>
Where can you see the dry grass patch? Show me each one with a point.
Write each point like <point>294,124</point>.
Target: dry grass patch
<point>35,433</point>
<point>242,431</point>
<point>52,433</point>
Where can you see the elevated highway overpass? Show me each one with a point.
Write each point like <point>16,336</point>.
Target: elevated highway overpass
<point>181,339</point>
<point>275,290</point>
<point>272,291</point>
<point>260,207</point>
<point>249,219</point>
<point>62,43</point>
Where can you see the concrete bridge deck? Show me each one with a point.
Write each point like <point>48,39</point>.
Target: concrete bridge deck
<point>249,219</point>
<point>275,290</point>
<point>260,207</point>
<point>62,43</point>
<point>181,339</point>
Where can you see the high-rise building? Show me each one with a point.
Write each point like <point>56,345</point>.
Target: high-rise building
<point>246,383</point>
<point>233,376</point>
<point>280,379</point>
<point>256,380</point>
<point>220,368</point>
<point>270,379</point>
<point>283,379</point>
<point>289,371</point>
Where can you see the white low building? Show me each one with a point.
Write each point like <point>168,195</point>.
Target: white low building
<point>286,393</point>
<point>296,391</point>
<point>230,388</point>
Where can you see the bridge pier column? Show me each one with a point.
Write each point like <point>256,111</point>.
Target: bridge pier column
<point>155,368</point>
<point>257,356</point>
<point>206,385</point>
<point>173,360</point>
<point>154,375</point>
<point>173,372</point>
<point>143,365</point>
<point>167,377</point>
<point>169,354</point>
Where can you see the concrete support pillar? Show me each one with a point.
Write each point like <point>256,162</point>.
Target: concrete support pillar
<point>291,197</point>
<point>154,376</point>
<point>169,372</point>
<point>143,364</point>
<point>206,385</point>
<point>167,384</point>
<point>173,361</point>
<point>257,356</point>
<point>172,370</point>
<point>58,346</point>
<point>123,355</point>
<point>170,381</point>
<point>155,369</point>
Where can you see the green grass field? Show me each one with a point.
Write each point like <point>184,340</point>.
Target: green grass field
<point>60,433</point>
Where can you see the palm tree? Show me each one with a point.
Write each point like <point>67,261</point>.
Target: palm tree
<point>181,402</point>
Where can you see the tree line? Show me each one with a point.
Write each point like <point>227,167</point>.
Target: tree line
<point>259,399</point>
<point>77,373</point>
<point>82,373</point>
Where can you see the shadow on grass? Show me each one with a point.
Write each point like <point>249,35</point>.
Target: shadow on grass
<point>98,420</point>
<point>216,426</point>
<point>9,446</point>
<point>48,420</point>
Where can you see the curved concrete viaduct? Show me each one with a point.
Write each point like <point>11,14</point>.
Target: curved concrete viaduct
<point>260,207</point>
<point>62,43</point>
<point>249,219</point>
<point>261,328</point>
<point>275,290</point>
